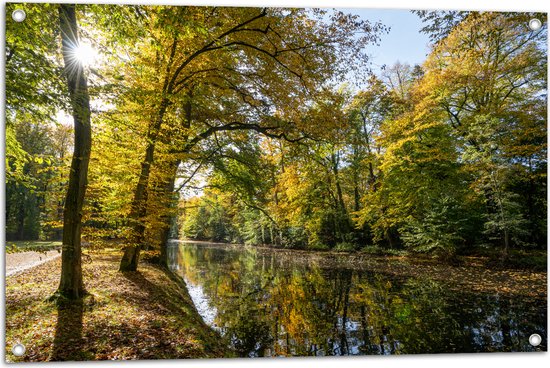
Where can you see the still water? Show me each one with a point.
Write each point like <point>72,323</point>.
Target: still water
<point>270,303</point>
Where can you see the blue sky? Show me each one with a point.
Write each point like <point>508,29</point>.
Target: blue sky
<point>404,42</point>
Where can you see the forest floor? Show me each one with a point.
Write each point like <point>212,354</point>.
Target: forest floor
<point>146,314</point>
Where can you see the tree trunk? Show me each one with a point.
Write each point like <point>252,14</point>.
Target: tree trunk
<point>169,187</point>
<point>130,259</point>
<point>506,242</point>
<point>339,192</point>
<point>71,285</point>
<point>168,194</point>
<point>343,220</point>
<point>21,218</point>
<point>372,177</point>
<point>355,165</point>
<point>356,196</point>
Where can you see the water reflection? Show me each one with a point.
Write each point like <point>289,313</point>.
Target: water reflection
<point>267,304</point>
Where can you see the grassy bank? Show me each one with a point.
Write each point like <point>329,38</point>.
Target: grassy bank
<point>137,315</point>
<point>31,246</point>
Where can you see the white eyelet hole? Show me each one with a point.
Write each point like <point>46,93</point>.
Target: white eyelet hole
<point>535,339</point>
<point>19,15</point>
<point>18,349</point>
<point>535,24</point>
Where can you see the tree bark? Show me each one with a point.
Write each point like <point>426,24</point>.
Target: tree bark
<point>339,192</point>
<point>21,217</point>
<point>167,217</point>
<point>71,285</point>
<point>169,187</point>
<point>130,259</point>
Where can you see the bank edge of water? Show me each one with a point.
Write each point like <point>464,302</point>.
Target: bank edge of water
<point>471,273</point>
<point>517,259</point>
<point>136,315</point>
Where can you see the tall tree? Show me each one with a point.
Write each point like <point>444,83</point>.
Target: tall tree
<point>485,74</point>
<point>71,284</point>
<point>250,56</point>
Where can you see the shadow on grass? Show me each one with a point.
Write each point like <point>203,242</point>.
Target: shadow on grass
<point>158,294</point>
<point>174,304</point>
<point>68,343</point>
<point>130,336</point>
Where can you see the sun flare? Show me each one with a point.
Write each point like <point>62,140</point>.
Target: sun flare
<point>85,54</point>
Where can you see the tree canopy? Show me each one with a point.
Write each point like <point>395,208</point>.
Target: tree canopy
<point>269,126</point>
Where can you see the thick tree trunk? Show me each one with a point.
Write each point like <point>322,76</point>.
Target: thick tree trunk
<point>130,259</point>
<point>71,285</point>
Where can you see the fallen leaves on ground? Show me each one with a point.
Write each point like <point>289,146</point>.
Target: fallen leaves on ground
<point>135,315</point>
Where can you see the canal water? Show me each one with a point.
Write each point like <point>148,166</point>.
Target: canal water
<point>267,302</point>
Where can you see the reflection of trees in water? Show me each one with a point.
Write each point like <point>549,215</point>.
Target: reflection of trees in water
<point>268,305</point>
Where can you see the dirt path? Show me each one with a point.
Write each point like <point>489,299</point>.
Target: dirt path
<point>21,261</point>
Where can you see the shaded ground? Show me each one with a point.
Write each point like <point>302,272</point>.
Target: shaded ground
<point>137,315</point>
<point>21,261</point>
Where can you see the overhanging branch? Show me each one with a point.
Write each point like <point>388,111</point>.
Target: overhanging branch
<point>267,131</point>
